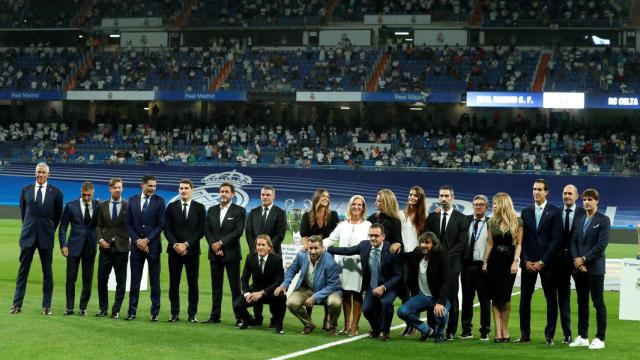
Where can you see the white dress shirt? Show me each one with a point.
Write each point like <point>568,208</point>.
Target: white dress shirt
<point>44,191</point>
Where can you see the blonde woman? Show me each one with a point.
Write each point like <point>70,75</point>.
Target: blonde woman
<point>502,260</point>
<point>350,232</point>
<point>388,215</point>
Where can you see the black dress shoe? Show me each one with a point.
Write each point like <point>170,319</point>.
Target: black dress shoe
<point>192,319</point>
<point>173,318</point>
<point>212,321</point>
<point>238,322</point>
<point>426,335</point>
<point>15,310</point>
<point>373,334</point>
<point>68,312</point>
<point>243,326</point>
<point>154,318</point>
<point>46,311</point>
<point>279,330</point>
<point>385,337</point>
<point>115,315</point>
<point>449,337</point>
<point>439,339</point>
<point>523,339</point>
<point>567,340</point>
<point>548,341</point>
<point>102,313</point>
<point>83,312</point>
<point>130,317</point>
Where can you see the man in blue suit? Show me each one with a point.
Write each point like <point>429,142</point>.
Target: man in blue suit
<point>145,221</point>
<point>40,211</point>
<point>540,242</point>
<point>319,283</point>
<point>589,241</point>
<point>381,275</point>
<point>80,246</point>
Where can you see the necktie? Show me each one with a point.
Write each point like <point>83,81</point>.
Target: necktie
<point>39,196</point>
<point>443,227</point>
<point>538,215</point>
<point>87,214</point>
<point>184,210</point>
<point>146,203</point>
<point>262,265</point>
<point>264,216</point>
<point>374,264</point>
<point>114,212</point>
<point>585,226</point>
<point>473,238</point>
<point>567,226</point>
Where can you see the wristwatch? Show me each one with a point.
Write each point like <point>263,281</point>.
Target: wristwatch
<point>541,262</point>
<point>584,259</point>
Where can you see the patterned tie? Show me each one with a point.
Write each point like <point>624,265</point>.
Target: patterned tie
<point>114,212</point>
<point>146,203</point>
<point>538,215</point>
<point>264,216</point>
<point>567,226</point>
<point>87,214</point>
<point>39,196</point>
<point>374,264</point>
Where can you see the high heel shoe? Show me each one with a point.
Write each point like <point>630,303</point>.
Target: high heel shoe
<point>506,340</point>
<point>498,340</point>
<point>354,332</point>
<point>343,331</point>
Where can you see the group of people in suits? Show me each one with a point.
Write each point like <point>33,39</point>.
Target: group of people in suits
<point>358,265</point>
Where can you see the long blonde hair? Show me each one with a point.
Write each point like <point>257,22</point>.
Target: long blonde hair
<point>504,213</point>
<point>348,214</point>
<point>389,204</point>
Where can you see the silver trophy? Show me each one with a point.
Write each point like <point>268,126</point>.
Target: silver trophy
<point>294,218</point>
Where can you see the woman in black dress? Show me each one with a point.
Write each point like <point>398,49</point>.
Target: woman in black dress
<point>389,216</point>
<point>319,220</point>
<point>502,260</point>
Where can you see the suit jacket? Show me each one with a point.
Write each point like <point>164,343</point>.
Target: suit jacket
<point>229,232</point>
<point>454,240</point>
<point>326,278</point>
<point>540,243</point>
<point>441,280</point>
<point>108,230</point>
<point>268,280</point>
<point>177,229</point>
<point>145,225</point>
<point>390,264</point>
<point>73,214</point>
<point>484,230</point>
<point>39,222</point>
<point>566,236</point>
<point>275,227</point>
<point>592,242</point>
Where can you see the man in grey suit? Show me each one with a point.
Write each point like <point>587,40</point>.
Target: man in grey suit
<point>80,246</point>
<point>113,238</point>
<point>40,211</point>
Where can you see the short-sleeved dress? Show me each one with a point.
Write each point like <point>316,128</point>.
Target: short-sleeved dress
<point>499,276</point>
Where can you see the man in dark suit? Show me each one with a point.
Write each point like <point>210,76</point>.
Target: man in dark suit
<point>145,221</point>
<point>265,268</point>
<point>184,227</point>
<point>473,278</point>
<point>450,226</point>
<point>588,243</point>
<point>542,236</point>
<point>224,227</point>
<point>80,246</point>
<point>266,219</point>
<point>318,283</point>
<point>40,211</point>
<point>381,276</point>
<point>562,261</point>
<point>433,284</point>
<point>113,239</point>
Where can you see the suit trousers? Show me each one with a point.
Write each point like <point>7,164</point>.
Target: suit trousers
<point>26,257</point>
<point>191,263</point>
<point>296,300</point>
<point>594,285</point>
<point>563,266</point>
<point>528,283</point>
<point>88,258</point>
<point>107,260</point>
<point>217,282</point>
<point>379,310</point>
<point>454,311</point>
<point>473,281</point>
<point>277,306</point>
<point>137,264</point>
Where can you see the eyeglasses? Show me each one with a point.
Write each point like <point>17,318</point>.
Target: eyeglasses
<point>479,205</point>
<point>374,235</point>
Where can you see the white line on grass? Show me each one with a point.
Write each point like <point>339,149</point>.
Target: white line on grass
<point>346,341</point>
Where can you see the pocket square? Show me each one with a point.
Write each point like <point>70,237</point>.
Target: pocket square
<point>229,218</point>
<point>596,226</point>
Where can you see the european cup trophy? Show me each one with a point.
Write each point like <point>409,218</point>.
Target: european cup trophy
<point>294,218</point>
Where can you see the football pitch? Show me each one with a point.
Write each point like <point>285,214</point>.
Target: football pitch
<point>30,335</point>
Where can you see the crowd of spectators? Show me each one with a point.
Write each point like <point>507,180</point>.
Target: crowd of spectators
<point>440,10</point>
<point>473,143</point>
<point>246,13</point>
<point>137,8</point>
<point>37,67</point>
<point>568,13</point>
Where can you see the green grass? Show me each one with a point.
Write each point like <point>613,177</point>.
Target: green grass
<point>31,335</point>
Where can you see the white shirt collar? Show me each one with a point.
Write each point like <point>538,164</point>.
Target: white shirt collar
<point>573,208</point>
<point>44,186</point>
<point>543,205</point>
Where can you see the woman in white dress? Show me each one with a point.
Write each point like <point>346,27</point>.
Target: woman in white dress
<point>413,222</point>
<point>350,232</point>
